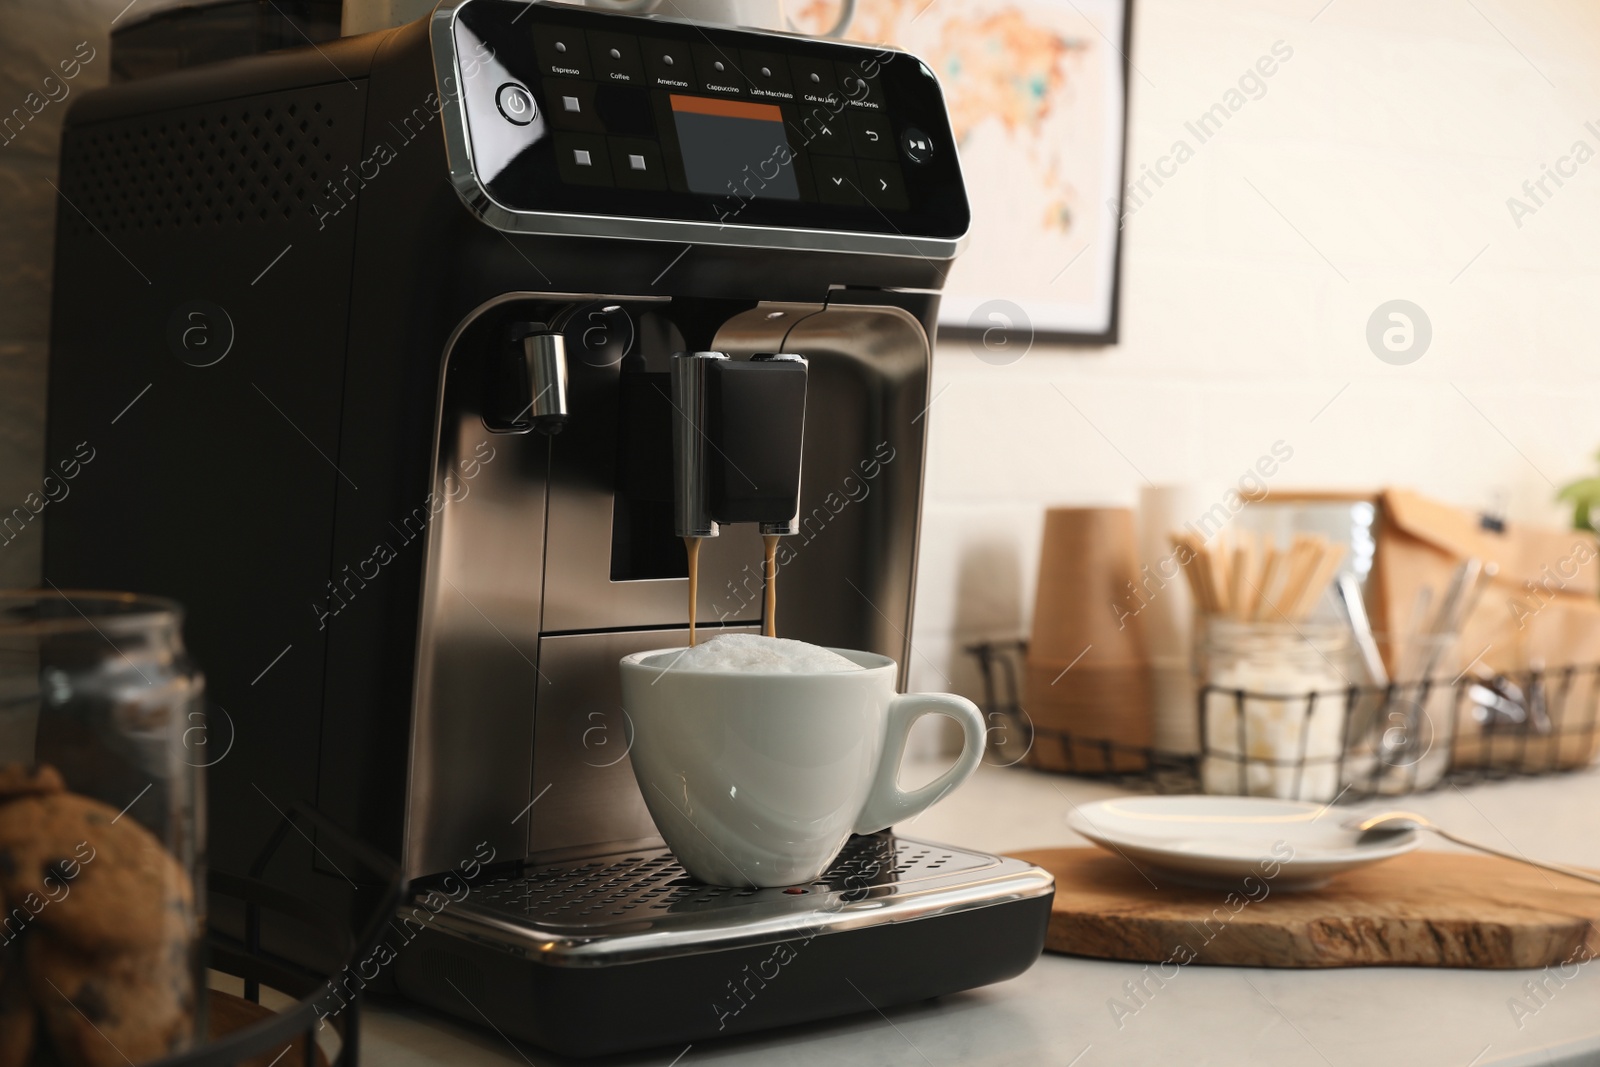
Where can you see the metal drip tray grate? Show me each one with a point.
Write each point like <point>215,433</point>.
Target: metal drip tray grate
<point>653,883</point>
<point>604,909</point>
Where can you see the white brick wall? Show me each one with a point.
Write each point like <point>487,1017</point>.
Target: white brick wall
<point>1391,140</point>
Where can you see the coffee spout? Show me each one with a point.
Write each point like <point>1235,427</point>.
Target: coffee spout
<point>738,437</point>
<point>691,497</point>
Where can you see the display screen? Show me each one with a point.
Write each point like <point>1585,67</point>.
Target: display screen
<point>578,111</point>
<point>734,147</point>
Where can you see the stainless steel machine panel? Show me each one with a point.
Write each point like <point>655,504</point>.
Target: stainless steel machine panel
<point>472,737</point>
<point>522,622</point>
<point>584,462</point>
<point>845,579</point>
<point>584,789</point>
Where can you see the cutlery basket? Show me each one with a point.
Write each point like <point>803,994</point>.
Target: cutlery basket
<point>1403,738</point>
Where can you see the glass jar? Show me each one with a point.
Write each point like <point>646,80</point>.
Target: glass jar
<point>1275,704</point>
<point>1347,519</point>
<point>101,830</point>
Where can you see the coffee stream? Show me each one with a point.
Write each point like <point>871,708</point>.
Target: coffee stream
<point>769,615</point>
<point>693,545</point>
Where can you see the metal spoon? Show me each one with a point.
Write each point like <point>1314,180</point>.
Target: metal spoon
<point>1394,822</point>
<point>1348,592</point>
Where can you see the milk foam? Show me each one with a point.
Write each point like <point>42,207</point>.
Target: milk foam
<point>754,654</point>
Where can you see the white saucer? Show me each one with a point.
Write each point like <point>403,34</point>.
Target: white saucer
<point>1219,842</point>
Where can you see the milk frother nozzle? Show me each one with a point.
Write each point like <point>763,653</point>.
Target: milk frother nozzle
<point>544,357</point>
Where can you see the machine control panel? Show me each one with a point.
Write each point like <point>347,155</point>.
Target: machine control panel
<point>576,112</point>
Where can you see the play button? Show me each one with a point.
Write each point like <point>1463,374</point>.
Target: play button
<point>917,145</point>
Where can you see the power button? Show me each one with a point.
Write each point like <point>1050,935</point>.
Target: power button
<point>917,145</point>
<point>516,104</point>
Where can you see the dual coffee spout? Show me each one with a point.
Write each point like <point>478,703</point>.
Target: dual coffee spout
<point>738,425</point>
<point>738,430</point>
<point>738,433</point>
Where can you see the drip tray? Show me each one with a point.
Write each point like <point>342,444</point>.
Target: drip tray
<point>633,906</point>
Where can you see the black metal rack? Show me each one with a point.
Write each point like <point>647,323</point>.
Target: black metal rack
<point>1560,733</point>
<point>250,960</point>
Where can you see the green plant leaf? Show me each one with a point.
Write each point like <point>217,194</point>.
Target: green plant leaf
<point>1583,489</point>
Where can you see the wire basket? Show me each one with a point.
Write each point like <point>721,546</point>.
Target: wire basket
<point>1344,744</point>
<point>1015,739</point>
<point>290,1035</point>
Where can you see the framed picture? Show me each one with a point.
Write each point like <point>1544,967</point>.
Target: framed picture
<point>1037,91</point>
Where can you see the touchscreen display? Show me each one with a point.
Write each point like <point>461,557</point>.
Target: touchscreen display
<point>721,139</point>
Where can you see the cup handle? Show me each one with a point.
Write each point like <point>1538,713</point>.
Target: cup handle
<point>887,803</point>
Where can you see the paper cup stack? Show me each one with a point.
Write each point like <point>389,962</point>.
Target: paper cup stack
<point>1168,608</point>
<point>1086,687</point>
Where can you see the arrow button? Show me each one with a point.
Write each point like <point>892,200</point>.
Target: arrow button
<point>870,135</point>
<point>838,181</point>
<point>885,188</point>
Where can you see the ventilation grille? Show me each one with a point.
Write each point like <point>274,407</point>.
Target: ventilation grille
<point>646,884</point>
<point>211,168</point>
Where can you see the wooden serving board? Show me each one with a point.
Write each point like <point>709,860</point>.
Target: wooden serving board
<point>1423,909</point>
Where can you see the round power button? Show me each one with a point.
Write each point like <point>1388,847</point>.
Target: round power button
<point>917,145</point>
<point>516,104</point>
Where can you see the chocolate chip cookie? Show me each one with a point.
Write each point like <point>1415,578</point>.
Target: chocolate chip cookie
<point>21,780</point>
<point>96,881</point>
<point>111,1010</point>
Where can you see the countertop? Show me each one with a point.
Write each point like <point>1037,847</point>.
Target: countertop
<point>1057,1012</point>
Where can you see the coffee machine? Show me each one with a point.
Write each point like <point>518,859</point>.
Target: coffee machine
<point>374,344</point>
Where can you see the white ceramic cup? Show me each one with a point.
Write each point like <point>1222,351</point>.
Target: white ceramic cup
<point>758,778</point>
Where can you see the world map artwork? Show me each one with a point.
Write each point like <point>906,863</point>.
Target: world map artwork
<point>1035,93</point>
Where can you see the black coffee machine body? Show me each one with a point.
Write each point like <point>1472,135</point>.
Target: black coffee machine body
<point>318,312</point>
